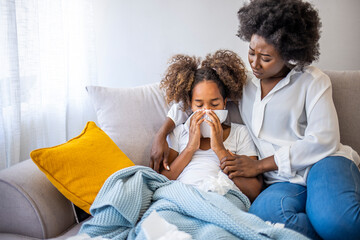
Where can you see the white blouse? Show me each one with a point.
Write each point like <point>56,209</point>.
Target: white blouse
<point>296,122</point>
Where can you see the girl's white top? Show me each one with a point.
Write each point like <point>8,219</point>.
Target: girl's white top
<point>204,171</point>
<point>296,122</point>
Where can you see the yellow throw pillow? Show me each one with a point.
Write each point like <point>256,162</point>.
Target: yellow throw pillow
<point>79,167</point>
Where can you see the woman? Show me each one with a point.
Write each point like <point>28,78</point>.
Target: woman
<point>313,182</point>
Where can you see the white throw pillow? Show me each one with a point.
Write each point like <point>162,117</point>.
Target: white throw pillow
<point>131,117</point>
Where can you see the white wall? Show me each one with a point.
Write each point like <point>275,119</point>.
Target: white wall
<point>136,38</point>
<point>339,43</point>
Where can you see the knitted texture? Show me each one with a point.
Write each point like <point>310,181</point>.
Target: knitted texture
<point>131,194</point>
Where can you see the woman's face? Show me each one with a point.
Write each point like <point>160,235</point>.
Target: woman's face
<point>206,95</point>
<point>264,60</point>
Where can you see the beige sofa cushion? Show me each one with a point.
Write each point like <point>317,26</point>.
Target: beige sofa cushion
<point>346,89</point>
<point>130,116</point>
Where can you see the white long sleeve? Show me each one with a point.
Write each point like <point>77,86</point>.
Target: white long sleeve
<point>321,137</point>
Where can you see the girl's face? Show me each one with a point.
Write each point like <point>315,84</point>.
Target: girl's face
<point>265,60</point>
<point>206,95</point>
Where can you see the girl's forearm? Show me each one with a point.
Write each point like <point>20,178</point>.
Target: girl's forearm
<point>178,165</point>
<point>222,153</point>
<point>251,187</point>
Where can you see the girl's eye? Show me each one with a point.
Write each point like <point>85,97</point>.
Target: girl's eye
<point>251,53</point>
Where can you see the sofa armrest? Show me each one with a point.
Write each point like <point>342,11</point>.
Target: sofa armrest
<point>30,205</point>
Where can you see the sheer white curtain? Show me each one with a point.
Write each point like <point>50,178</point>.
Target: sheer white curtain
<point>47,57</point>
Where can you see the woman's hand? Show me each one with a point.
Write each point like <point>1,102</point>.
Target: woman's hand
<point>159,153</point>
<point>194,131</point>
<point>160,147</point>
<point>217,134</point>
<point>240,166</point>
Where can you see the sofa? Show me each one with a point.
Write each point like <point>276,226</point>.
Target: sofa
<point>32,208</point>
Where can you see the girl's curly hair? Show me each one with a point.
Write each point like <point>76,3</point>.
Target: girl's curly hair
<point>223,67</point>
<point>291,26</point>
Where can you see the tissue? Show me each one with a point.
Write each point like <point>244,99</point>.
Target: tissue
<point>220,184</point>
<point>85,236</point>
<point>204,127</point>
<point>157,228</point>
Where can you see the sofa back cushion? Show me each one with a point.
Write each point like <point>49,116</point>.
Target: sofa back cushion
<point>346,89</point>
<point>132,116</point>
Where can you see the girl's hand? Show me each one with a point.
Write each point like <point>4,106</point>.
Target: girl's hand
<point>240,166</point>
<point>194,131</point>
<point>217,133</point>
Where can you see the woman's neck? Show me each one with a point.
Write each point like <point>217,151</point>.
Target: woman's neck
<point>278,76</point>
<point>267,84</point>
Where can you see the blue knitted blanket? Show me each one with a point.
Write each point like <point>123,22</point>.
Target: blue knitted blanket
<point>131,194</point>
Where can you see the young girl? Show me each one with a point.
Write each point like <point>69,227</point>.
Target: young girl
<point>194,159</point>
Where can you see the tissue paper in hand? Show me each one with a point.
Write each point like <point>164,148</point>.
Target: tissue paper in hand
<point>204,127</point>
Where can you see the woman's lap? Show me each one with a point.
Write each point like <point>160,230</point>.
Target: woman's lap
<point>284,203</point>
<point>333,205</point>
<point>331,200</point>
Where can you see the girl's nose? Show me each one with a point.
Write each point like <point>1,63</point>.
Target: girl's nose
<point>209,108</point>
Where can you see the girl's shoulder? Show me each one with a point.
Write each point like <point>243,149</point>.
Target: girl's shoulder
<point>238,129</point>
<point>240,141</point>
<point>237,126</point>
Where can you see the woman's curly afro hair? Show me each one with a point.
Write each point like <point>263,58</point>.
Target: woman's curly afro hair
<point>291,26</point>
<point>224,67</point>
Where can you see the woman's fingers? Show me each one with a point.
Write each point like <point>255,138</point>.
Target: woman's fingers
<point>156,158</point>
<point>229,169</point>
<point>227,160</point>
<point>151,163</point>
<point>242,166</point>
<point>235,174</point>
<point>155,163</point>
<point>165,160</point>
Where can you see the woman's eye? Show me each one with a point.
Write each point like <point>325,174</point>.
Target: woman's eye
<point>266,60</point>
<point>214,105</point>
<point>199,106</point>
<point>251,53</point>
